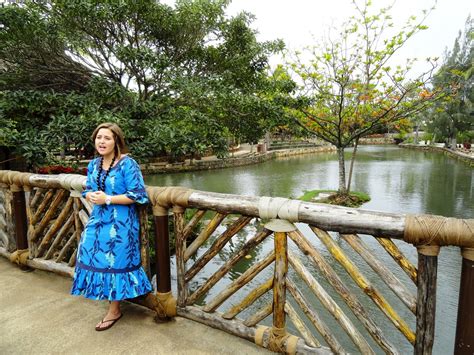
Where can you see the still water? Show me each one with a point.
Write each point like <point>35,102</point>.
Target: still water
<point>397,180</point>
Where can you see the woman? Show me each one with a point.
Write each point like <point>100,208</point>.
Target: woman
<point>108,261</point>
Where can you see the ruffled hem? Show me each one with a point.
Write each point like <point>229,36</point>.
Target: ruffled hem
<point>110,286</point>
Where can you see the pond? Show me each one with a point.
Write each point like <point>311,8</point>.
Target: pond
<point>397,180</point>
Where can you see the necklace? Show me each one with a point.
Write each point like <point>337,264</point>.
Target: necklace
<point>101,182</point>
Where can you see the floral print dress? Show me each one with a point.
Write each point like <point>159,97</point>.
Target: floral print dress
<point>108,263</point>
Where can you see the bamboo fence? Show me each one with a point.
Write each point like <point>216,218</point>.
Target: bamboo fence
<point>291,276</point>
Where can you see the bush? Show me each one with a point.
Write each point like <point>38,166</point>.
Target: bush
<point>61,169</point>
<point>427,137</point>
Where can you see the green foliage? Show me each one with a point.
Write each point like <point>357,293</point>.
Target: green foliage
<point>8,132</point>
<point>427,137</point>
<point>349,86</point>
<point>465,137</point>
<point>179,80</point>
<point>33,53</point>
<point>353,199</point>
<point>454,114</point>
<point>308,196</point>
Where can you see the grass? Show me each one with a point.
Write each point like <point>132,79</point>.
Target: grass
<point>353,199</point>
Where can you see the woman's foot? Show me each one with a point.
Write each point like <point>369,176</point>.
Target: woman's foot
<point>107,323</point>
<point>112,316</point>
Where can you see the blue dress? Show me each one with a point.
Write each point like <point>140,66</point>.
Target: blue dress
<point>108,263</point>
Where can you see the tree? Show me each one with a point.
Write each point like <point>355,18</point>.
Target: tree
<point>348,86</point>
<point>33,54</point>
<point>172,76</point>
<point>455,78</point>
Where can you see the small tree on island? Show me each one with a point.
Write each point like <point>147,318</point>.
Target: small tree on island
<point>349,88</point>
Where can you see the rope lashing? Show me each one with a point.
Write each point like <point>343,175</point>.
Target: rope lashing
<point>162,303</point>
<point>25,181</point>
<point>163,198</point>
<point>278,339</point>
<point>468,253</point>
<point>20,257</point>
<point>3,174</point>
<point>168,303</point>
<point>14,180</point>
<point>259,335</point>
<point>428,250</point>
<point>18,181</point>
<point>291,343</point>
<point>428,230</point>
<point>73,182</point>
<point>278,207</point>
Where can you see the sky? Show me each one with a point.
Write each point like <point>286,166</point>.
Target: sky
<point>300,22</point>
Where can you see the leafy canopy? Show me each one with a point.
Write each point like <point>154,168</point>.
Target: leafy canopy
<point>180,79</point>
<point>349,86</point>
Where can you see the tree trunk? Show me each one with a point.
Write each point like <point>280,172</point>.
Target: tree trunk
<point>349,179</point>
<point>342,171</point>
<point>452,142</point>
<point>267,141</point>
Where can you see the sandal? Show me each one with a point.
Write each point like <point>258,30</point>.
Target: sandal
<point>111,321</point>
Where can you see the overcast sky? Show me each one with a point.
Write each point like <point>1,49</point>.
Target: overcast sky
<point>299,22</point>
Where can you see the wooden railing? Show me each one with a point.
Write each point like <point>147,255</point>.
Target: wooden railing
<point>289,275</point>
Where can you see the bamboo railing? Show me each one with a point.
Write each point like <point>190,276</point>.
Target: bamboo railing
<point>292,276</point>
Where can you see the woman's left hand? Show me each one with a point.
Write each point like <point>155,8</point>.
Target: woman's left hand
<point>98,197</point>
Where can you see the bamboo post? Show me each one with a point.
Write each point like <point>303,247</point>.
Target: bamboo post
<point>144,244</point>
<point>351,300</point>
<point>180,247</point>
<point>328,302</point>
<point>258,316</point>
<point>301,326</point>
<point>399,258</point>
<point>218,244</point>
<point>279,284</point>
<point>316,320</point>
<point>54,228</point>
<point>280,227</point>
<point>383,271</point>
<point>164,303</point>
<point>464,343</point>
<point>7,225</point>
<point>242,280</point>
<point>204,235</point>
<point>364,283</point>
<point>426,300</point>
<point>19,215</point>
<point>162,254</point>
<point>248,300</point>
<point>212,280</point>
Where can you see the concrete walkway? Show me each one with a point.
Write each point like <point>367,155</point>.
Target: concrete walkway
<point>38,316</point>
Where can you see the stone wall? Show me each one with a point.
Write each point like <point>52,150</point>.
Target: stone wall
<point>248,159</point>
<point>464,157</point>
<point>376,141</point>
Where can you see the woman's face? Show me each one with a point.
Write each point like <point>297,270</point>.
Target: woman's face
<point>105,142</point>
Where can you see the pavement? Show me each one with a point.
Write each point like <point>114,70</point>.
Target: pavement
<point>38,316</point>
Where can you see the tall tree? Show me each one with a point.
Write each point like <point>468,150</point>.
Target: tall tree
<point>455,113</point>
<point>351,85</point>
<point>179,73</point>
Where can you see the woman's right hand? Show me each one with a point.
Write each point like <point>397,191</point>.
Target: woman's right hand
<point>97,197</point>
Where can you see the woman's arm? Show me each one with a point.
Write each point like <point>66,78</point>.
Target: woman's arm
<point>99,198</point>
